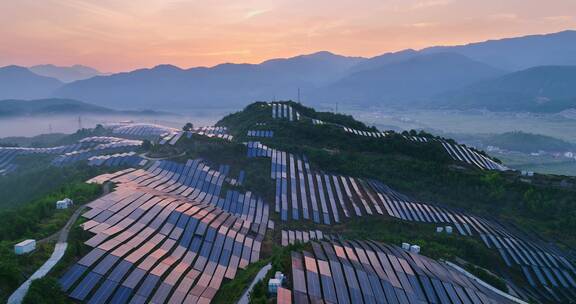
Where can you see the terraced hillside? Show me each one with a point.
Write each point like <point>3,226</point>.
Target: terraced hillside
<point>326,200</point>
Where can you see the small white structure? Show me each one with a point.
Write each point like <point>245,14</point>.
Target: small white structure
<point>415,249</point>
<point>280,276</point>
<point>24,247</point>
<point>439,229</point>
<point>273,285</point>
<point>64,204</point>
<point>448,229</point>
<point>527,173</point>
<point>405,246</point>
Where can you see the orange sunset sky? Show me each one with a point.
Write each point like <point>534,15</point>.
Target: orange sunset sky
<point>113,35</point>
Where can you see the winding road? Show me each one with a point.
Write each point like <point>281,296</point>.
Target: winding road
<point>59,251</point>
<point>245,299</point>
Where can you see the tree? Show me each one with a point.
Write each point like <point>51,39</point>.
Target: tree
<point>188,127</point>
<point>146,145</point>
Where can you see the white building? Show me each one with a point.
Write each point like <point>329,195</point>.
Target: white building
<point>415,249</point>
<point>64,204</point>
<point>24,247</point>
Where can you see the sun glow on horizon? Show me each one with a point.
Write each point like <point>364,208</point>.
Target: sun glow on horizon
<point>124,35</point>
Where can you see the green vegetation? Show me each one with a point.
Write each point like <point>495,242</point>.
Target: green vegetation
<point>37,219</point>
<point>52,139</point>
<point>45,291</point>
<point>232,290</point>
<point>528,142</point>
<point>35,178</point>
<point>487,277</point>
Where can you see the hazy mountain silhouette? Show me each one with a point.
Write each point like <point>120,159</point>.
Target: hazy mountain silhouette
<point>221,85</point>
<point>545,88</point>
<point>520,53</point>
<point>19,83</point>
<point>405,77</point>
<point>65,73</point>
<point>59,106</point>
<point>415,79</point>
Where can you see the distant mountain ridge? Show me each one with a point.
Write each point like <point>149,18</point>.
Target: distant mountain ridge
<point>56,106</point>
<point>414,79</point>
<point>20,83</point>
<point>406,78</point>
<point>65,74</point>
<point>539,89</point>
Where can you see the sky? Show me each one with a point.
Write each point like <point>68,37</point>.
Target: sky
<point>114,35</point>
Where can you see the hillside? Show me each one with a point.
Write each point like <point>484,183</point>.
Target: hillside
<point>57,106</point>
<point>539,89</point>
<point>528,143</point>
<point>285,184</point>
<point>405,82</point>
<point>20,83</point>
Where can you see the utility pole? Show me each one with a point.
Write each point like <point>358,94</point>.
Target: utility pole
<point>79,122</point>
<point>336,107</point>
<point>298,95</point>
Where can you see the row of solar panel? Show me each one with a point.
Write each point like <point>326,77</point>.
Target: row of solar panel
<point>84,154</point>
<point>260,133</point>
<point>462,153</point>
<point>286,111</point>
<point>365,133</point>
<point>139,130</point>
<point>257,149</point>
<point>170,138</point>
<point>211,131</point>
<point>120,159</point>
<point>290,237</point>
<point>370,272</point>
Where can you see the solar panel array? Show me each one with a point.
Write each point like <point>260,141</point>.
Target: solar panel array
<point>467,155</point>
<point>120,159</point>
<point>96,148</point>
<point>139,130</point>
<point>290,237</point>
<point>260,133</point>
<point>8,154</point>
<point>463,154</point>
<point>302,193</point>
<point>284,111</point>
<point>371,272</point>
<point>544,268</point>
<point>365,133</point>
<point>212,131</point>
<point>159,238</point>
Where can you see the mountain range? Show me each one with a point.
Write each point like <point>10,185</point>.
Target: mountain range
<point>11,108</point>
<point>444,76</point>
<point>65,74</point>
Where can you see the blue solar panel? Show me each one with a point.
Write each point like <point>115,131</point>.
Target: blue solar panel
<point>121,296</point>
<point>104,292</point>
<point>119,271</point>
<point>85,286</point>
<point>71,276</point>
